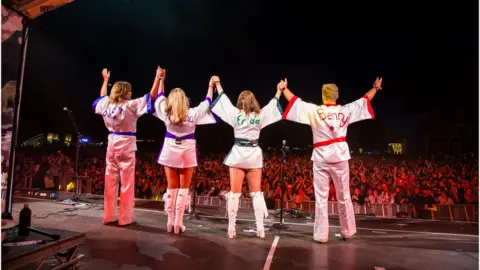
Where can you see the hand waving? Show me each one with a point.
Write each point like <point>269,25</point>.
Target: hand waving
<point>105,74</point>
<point>378,83</point>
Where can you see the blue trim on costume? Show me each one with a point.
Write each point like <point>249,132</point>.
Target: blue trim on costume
<point>209,101</point>
<point>190,136</point>
<point>158,96</point>
<point>217,119</point>
<point>216,100</point>
<point>124,133</point>
<point>279,107</point>
<point>94,105</point>
<point>150,107</point>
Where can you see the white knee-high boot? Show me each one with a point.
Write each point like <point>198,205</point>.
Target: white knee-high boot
<point>233,199</point>
<point>261,211</point>
<point>169,199</point>
<point>180,209</point>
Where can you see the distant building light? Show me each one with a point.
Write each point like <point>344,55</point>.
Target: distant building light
<point>395,148</point>
<point>51,137</point>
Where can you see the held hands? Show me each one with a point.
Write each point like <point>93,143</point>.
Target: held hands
<point>282,85</point>
<point>215,80</point>
<point>105,74</point>
<point>378,83</point>
<point>161,73</point>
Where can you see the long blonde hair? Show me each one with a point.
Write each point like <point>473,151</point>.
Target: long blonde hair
<point>177,106</point>
<point>248,103</point>
<point>119,92</point>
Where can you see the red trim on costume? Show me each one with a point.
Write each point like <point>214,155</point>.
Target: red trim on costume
<point>289,107</point>
<point>325,143</point>
<point>370,109</point>
<point>329,105</point>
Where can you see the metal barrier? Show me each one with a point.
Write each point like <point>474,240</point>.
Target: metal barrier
<point>454,212</point>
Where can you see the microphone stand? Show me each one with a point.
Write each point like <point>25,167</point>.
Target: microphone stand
<point>77,195</point>
<point>281,225</point>
<point>8,209</point>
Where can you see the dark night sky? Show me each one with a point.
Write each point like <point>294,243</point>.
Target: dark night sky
<point>427,56</point>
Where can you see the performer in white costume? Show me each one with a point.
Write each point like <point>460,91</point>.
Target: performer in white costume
<point>179,151</point>
<point>120,114</point>
<point>246,157</point>
<point>330,156</point>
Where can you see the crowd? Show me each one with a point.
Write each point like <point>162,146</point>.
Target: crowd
<point>373,180</point>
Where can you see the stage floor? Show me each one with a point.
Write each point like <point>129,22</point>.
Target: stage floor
<point>388,244</point>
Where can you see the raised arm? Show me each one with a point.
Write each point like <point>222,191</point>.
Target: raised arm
<point>362,109</point>
<point>146,104</point>
<point>211,85</point>
<point>158,102</point>
<point>158,83</point>
<point>216,83</point>
<point>203,115</point>
<point>101,103</point>
<point>283,87</point>
<point>273,112</point>
<point>279,93</point>
<point>106,77</point>
<point>377,85</point>
<point>297,110</point>
<point>222,106</point>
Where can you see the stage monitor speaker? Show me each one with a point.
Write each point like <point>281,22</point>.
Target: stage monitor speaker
<point>36,193</point>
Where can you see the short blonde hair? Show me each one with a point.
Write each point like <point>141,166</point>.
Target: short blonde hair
<point>119,92</point>
<point>177,106</point>
<point>330,92</point>
<point>248,103</point>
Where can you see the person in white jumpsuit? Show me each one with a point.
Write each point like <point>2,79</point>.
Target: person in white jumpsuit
<point>245,157</point>
<point>120,114</point>
<point>329,123</point>
<point>179,151</point>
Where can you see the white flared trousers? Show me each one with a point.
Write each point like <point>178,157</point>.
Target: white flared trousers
<point>120,167</point>
<point>340,174</point>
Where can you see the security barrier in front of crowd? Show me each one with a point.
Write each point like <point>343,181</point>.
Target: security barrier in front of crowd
<point>454,212</point>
